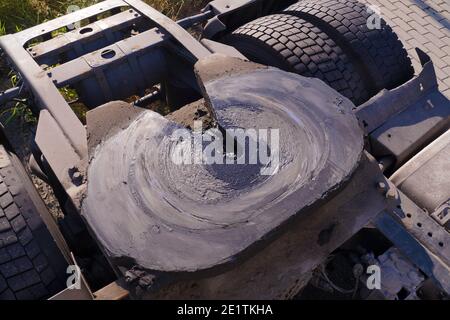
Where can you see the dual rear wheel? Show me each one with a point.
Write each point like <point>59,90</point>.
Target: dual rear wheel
<point>330,40</point>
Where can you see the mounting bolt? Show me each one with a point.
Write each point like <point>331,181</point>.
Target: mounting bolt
<point>77,178</point>
<point>382,186</point>
<point>391,194</point>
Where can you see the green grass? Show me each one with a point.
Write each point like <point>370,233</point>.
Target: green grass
<point>2,28</point>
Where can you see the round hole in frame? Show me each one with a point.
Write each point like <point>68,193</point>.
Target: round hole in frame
<point>108,54</point>
<point>86,30</point>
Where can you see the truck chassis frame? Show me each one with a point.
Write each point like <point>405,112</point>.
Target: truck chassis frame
<point>169,51</point>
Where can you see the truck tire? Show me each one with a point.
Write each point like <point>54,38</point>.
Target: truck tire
<point>377,53</point>
<point>31,265</point>
<point>295,45</point>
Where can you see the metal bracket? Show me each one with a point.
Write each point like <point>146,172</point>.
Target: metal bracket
<point>442,215</point>
<point>419,237</point>
<point>401,121</point>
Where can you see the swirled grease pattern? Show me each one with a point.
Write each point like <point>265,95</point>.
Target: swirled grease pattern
<point>185,217</point>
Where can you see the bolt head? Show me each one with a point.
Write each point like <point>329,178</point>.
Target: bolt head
<point>382,186</point>
<point>77,177</point>
<point>390,194</point>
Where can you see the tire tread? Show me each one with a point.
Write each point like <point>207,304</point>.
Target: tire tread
<point>378,52</point>
<point>296,45</point>
<point>29,257</point>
